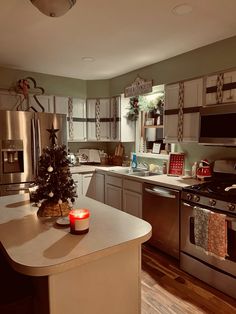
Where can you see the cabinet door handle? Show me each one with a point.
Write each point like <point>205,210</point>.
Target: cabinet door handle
<point>160,192</point>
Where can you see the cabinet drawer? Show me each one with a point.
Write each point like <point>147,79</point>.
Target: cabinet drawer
<point>117,181</point>
<point>132,185</point>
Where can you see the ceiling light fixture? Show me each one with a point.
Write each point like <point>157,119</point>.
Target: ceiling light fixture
<point>53,8</point>
<point>182,9</point>
<point>88,59</point>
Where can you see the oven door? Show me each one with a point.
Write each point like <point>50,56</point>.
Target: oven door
<point>187,244</point>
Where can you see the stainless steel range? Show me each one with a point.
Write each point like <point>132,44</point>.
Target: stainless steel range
<point>215,196</point>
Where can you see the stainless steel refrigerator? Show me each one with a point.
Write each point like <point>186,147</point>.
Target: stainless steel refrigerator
<point>23,135</point>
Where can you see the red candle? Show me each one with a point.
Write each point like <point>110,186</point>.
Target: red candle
<point>79,220</point>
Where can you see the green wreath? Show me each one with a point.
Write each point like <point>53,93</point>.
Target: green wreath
<point>133,112</point>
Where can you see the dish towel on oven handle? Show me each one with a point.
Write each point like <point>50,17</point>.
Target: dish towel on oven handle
<point>210,232</point>
<point>217,235</point>
<point>201,218</point>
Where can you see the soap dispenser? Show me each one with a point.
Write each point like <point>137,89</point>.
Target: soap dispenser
<point>134,161</point>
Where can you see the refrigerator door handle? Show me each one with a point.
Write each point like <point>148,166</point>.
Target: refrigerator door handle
<point>34,159</point>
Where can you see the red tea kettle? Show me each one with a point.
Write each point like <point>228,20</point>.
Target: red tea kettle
<point>204,170</point>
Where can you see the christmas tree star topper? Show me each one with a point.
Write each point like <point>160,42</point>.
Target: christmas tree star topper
<point>53,136</point>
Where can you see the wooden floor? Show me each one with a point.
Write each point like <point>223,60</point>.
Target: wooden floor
<point>168,290</point>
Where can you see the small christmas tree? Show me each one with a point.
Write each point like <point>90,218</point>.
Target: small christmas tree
<point>55,186</point>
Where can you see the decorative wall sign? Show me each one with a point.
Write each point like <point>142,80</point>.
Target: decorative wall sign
<point>138,87</point>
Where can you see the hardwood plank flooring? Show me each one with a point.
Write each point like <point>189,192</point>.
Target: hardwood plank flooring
<point>168,290</point>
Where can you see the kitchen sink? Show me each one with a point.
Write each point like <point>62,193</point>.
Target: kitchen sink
<point>143,174</point>
<point>135,172</point>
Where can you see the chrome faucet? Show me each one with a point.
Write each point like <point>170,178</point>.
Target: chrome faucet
<point>143,165</point>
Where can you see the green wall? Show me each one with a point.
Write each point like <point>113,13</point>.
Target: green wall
<point>98,88</point>
<point>53,85</point>
<point>212,58</point>
<point>208,59</point>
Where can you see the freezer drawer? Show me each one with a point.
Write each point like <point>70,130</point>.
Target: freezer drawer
<point>161,209</point>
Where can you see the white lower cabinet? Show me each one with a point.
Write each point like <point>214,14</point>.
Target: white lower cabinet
<point>100,187</point>
<point>132,203</point>
<point>85,184</point>
<point>132,197</point>
<point>89,185</point>
<point>114,196</point>
<point>124,194</point>
<point>113,191</point>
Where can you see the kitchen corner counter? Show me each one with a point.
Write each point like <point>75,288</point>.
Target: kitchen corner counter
<point>79,271</point>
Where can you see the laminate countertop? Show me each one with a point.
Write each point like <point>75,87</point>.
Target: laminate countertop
<point>39,247</point>
<point>159,179</point>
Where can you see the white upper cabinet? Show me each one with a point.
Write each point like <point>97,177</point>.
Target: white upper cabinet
<point>41,102</point>
<point>182,103</point>
<point>10,101</point>
<point>61,105</point>
<point>115,122</point>
<point>221,88</point>
<point>77,120</point>
<point>172,96</point>
<point>127,127</point>
<point>98,119</point>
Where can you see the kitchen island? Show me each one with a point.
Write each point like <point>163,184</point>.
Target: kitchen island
<point>98,272</point>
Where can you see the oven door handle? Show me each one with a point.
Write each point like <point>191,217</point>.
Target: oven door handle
<point>160,192</point>
<point>186,204</point>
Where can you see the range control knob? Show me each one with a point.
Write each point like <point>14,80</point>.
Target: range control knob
<point>212,202</point>
<point>196,198</point>
<point>189,196</point>
<point>231,207</point>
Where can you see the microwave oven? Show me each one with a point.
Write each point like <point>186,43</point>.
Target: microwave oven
<point>218,125</point>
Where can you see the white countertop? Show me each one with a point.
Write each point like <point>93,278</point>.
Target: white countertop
<point>163,180</point>
<point>83,169</point>
<point>38,247</point>
<point>159,179</point>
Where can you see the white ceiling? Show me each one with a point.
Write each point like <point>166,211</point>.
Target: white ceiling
<point>122,35</point>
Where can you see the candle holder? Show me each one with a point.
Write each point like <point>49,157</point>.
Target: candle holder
<point>79,221</point>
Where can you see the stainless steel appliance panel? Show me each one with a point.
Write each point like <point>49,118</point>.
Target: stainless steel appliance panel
<point>216,279</point>
<point>45,121</point>
<point>217,125</point>
<point>161,210</point>
<point>13,189</point>
<point>187,242</point>
<point>23,135</point>
<point>16,128</point>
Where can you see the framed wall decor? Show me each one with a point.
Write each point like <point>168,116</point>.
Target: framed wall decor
<point>156,148</point>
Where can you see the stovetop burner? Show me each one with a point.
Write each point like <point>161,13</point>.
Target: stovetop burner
<point>215,189</point>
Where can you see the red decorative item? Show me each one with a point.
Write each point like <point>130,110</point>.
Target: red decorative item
<point>79,221</point>
<point>23,87</point>
<point>176,164</point>
<point>204,170</point>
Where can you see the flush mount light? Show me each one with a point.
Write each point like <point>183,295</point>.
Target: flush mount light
<point>182,9</point>
<point>88,59</point>
<point>53,8</point>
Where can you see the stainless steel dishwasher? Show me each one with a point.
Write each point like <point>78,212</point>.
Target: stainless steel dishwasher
<point>161,209</point>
